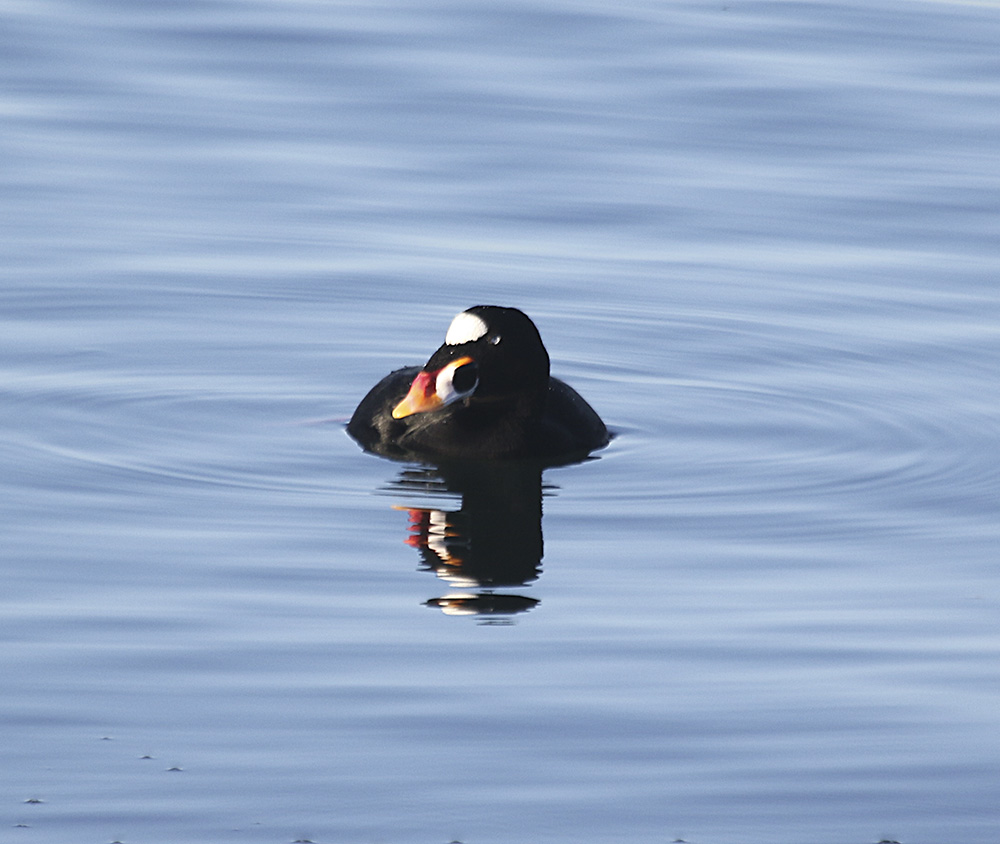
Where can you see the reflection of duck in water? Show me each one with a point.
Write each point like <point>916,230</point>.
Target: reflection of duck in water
<point>486,393</point>
<point>487,414</point>
<point>492,541</point>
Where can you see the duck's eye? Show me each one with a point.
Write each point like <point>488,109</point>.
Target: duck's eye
<point>465,378</point>
<point>494,339</point>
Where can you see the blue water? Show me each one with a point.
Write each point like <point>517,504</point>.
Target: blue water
<point>760,238</point>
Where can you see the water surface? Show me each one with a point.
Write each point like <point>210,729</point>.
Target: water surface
<point>760,238</point>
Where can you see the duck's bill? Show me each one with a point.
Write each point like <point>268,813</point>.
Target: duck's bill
<point>432,390</point>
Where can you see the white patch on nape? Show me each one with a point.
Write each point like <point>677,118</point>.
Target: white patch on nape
<point>465,328</point>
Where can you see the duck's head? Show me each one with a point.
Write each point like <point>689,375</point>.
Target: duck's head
<point>490,355</point>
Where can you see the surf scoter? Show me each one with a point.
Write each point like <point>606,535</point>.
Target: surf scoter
<point>486,393</point>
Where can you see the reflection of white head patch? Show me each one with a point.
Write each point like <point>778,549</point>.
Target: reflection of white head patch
<point>465,328</point>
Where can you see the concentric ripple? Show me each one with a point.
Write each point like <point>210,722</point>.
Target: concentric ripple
<point>128,433</point>
<point>760,428</point>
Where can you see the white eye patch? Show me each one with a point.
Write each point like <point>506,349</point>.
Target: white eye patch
<point>467,376</point>
<point>465,328</point>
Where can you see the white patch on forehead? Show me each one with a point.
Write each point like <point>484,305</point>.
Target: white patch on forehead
<point>465,328</point>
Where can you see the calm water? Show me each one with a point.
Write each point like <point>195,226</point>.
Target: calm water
<point>760,238</point>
